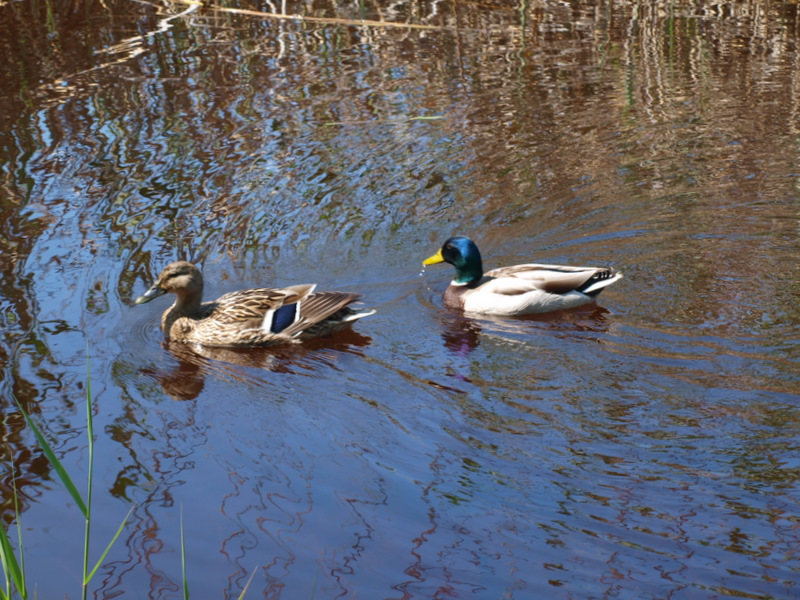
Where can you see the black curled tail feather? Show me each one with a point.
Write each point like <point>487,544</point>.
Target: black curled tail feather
<point>600,275</point>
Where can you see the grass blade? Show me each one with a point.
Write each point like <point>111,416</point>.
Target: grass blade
<point>4,594</point>
<point>249,581</point>
<point>314,583</point>
<point>88,525</point>
<point>183,561</point>
<point>54,462</point>
<point>7,557</point>
<point>24,590</point>
<point>11,566</point>
<point>88,578</point>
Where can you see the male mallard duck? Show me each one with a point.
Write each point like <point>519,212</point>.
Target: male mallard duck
<point>516,290</point>
<point>256,317</point>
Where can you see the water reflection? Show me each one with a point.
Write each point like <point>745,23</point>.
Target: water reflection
<point>637,445</point>
<point>194,362</point>
<point>462,333</point>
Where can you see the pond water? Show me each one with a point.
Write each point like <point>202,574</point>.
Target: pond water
<point>646,447</point>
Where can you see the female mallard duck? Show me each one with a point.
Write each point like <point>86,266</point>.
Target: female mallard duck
<point>256,317</point>
<point>517,290</point>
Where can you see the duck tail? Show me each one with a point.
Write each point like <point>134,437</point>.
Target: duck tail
<point>600,281</point>
<point>354,316</point>
<point>325,312</point>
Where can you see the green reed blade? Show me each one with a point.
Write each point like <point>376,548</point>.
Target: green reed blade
<point>88,524</point>
<point>314,583</point>
<point>183,561</point>
<point>54,462</point>
<point>88,578</point>
<point>89,420</point>
<point>11,567</point>
<point>249,581</point>
<point>6,577</point>
<point>24,591</point>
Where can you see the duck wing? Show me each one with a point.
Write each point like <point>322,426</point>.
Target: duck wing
<point>316,308</point>
<point>553,279</point>
<point>245,309</point>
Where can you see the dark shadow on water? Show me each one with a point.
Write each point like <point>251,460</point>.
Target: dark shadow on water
<point>462,333</point>
<point>186,379</point>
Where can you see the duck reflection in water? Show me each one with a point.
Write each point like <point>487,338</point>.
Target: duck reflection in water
<point>462,334</point>
<point>194,362</point>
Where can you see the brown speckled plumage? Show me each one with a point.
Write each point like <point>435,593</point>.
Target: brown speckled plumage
<point>242,318</point>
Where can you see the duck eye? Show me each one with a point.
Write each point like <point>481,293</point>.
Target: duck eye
<point>448,246</point>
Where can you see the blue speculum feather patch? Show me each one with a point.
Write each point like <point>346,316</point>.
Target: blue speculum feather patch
<point>283,317</point>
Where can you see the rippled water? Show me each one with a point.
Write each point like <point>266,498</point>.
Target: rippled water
<point>642,448</point>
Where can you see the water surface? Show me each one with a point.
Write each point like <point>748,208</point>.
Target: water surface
<point>642,448</point>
